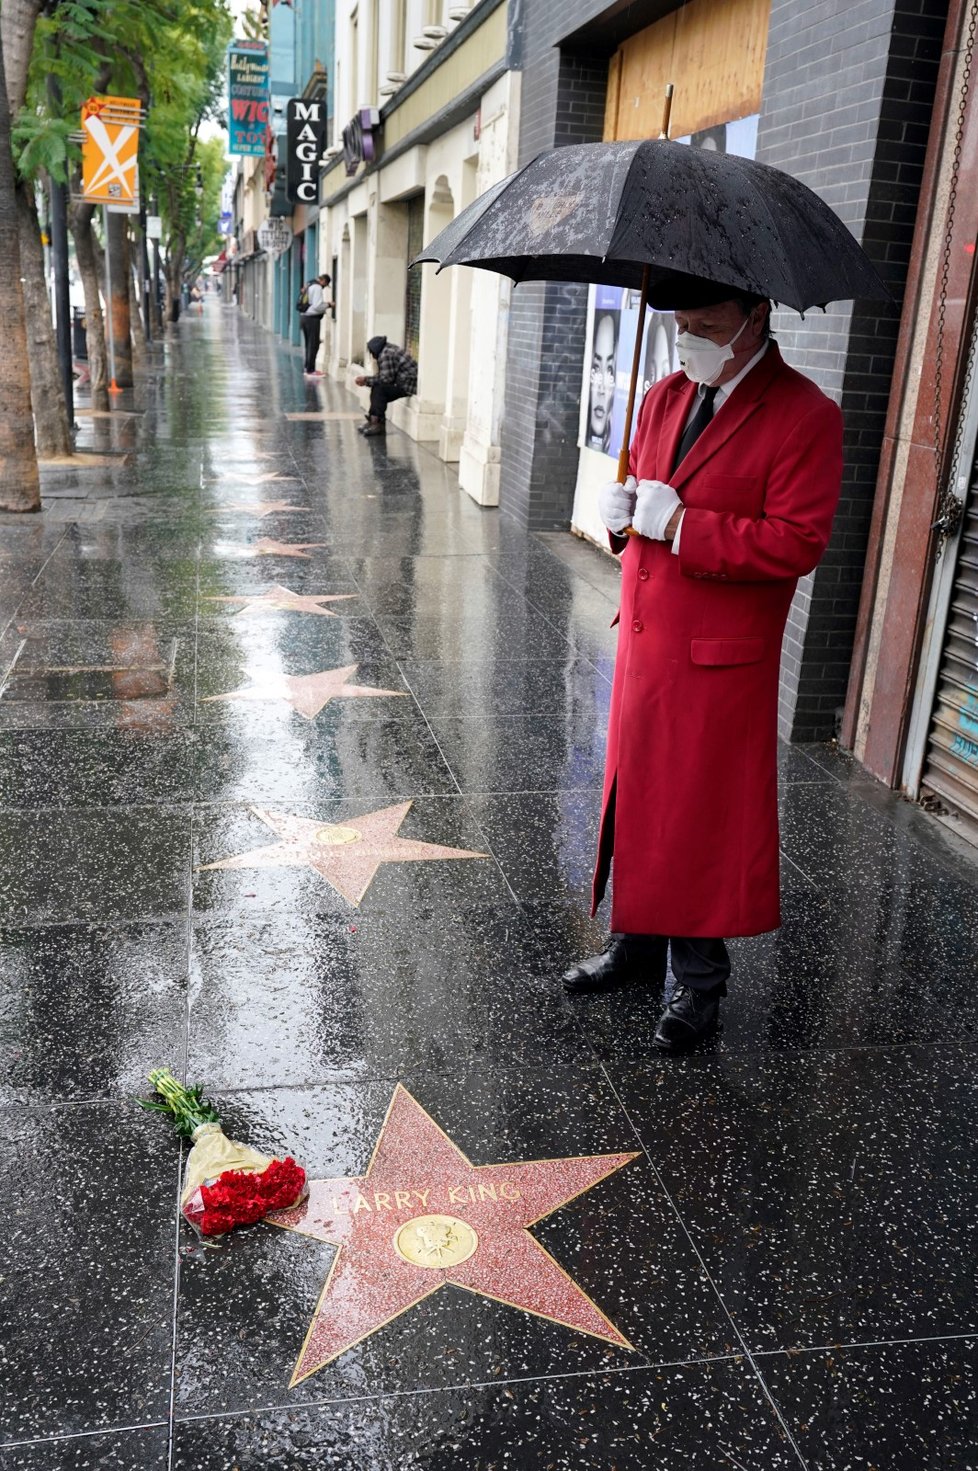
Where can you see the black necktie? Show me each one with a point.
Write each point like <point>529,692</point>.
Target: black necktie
<point>697,424</point>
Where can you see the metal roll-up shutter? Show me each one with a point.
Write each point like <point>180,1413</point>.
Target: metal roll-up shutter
<point>951,768</point>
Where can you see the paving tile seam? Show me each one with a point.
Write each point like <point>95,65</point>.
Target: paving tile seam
<point>347,1077</point>
<point>755,1370</point>
<point>464,1386</point>
<point>538,608</point>
<point>9,622</point>
<point>608,557</point>
<point>73,1435</point>
<point>859,1343</point>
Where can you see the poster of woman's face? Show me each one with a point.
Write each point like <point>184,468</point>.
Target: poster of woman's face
<point>604,353</point>
<point>660,349</point>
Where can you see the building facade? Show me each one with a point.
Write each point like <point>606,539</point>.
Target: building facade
<point>912,710</point>
<point>432,113</point>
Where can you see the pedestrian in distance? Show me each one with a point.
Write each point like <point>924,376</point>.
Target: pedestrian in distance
<point>735,473</point>
<point>396,377</point>
<point>312,307</point>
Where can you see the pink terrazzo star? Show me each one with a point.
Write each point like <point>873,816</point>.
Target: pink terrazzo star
<point>422,1202</point>
<point>346,855</point>
<point>265,546</point>
<point>259,508</point>
<point>308,693</point>
<point>244,479</point>
<point>282,600</point>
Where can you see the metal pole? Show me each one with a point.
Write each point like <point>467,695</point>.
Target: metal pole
<point>144,259</point>
<point>113,386</point>
<point>62,296</point>
<point>157,309</point>
<point>59,256</point>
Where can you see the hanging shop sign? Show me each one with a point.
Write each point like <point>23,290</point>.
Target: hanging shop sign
<point>360,138</point>
<point>305,134</point>
<point>110,148</point>
<point>247,98</point>
<point>275,235</point>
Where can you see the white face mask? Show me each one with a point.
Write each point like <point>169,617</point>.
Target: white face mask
<point>702,360</point>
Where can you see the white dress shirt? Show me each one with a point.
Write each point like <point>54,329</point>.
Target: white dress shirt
<point>722,394</point>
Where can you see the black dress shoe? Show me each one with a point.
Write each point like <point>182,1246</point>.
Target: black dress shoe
<point>690,1017</point>
<point>622,961</point>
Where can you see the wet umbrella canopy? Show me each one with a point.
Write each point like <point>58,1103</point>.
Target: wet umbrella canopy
<point>603,212</point>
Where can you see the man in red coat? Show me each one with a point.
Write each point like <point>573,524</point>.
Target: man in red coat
<point>736,468</point>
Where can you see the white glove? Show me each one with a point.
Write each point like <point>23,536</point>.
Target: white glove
<point>655,505</point>
<point>616,503</point>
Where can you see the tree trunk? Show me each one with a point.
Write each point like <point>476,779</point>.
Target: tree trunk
<point>20,488</point>
<point>117,251</point>
<point>80,217</point>
<point>18,19</point>
<point>51,429</point>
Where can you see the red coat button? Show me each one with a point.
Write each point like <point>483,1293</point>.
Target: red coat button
<point>637,626</point>
<point>643,574</point>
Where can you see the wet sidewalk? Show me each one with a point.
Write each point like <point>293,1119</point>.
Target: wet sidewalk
<point>300,763</point>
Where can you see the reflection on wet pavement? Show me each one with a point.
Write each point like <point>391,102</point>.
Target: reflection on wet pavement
<point>300,763</point>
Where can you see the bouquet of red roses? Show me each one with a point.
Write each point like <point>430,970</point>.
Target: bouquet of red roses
<point>226,1184</point>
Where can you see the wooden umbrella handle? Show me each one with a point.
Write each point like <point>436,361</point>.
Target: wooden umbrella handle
<point>630,406</point>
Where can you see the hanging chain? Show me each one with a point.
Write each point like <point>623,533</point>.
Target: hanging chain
<point>950,504</point>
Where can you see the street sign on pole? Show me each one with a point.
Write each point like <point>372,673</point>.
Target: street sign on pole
<point>110,172</point>
<point>275,235</point>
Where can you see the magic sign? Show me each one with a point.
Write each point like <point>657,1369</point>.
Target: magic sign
<point>305,138</point>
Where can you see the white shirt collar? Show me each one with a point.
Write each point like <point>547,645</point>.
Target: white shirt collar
<point>726,389</point>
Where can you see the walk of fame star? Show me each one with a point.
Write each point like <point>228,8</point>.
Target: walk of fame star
<point>307,693</point>
<point>424,1217</point>
<point>282,600</point>
<point>265,546</point>
<point>258,508</point>
<point>346,856</point>
<point>243,479</point>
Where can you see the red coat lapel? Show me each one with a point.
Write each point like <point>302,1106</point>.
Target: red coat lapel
<point>679,398</point>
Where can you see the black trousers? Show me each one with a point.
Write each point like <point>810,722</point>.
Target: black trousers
<point>382,394</point>
<point>311,326</point>
<point>702,964</point>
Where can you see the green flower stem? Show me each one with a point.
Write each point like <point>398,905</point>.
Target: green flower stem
<point>186,1106</point>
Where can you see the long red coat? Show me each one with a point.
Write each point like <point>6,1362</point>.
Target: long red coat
<point>690,795</point>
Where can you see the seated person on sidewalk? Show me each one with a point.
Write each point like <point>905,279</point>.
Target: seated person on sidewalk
<point>396,377</point>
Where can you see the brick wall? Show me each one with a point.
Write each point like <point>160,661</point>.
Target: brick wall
<point>848,90</point>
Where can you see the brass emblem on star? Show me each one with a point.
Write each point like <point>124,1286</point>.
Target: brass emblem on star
<point>435,1241</point>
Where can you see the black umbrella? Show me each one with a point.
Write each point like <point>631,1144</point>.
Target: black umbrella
<point>602,212</point>
<point>653,214</point>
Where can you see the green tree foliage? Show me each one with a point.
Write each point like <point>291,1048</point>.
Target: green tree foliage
<point>171,54</point>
